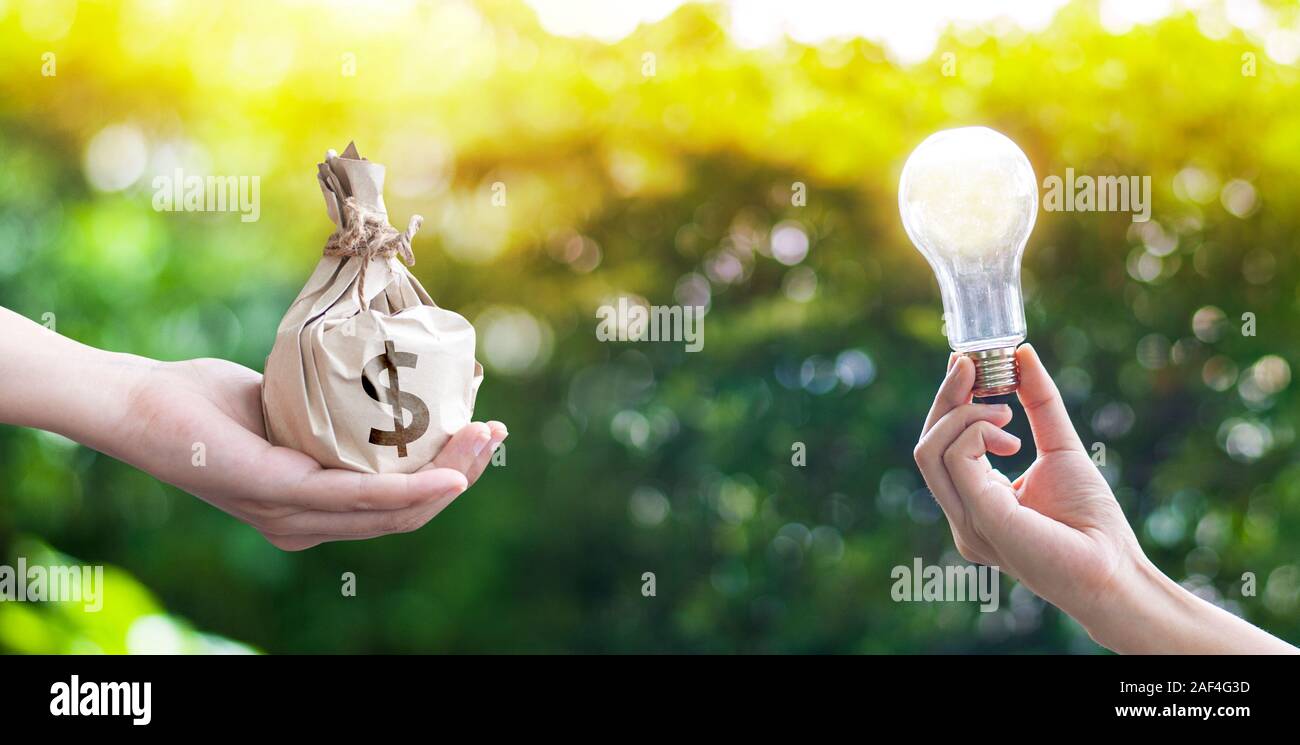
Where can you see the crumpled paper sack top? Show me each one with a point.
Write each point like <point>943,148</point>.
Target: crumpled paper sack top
<point>367,373</point>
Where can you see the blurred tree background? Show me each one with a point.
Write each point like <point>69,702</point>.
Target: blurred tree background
<point>661,166</point>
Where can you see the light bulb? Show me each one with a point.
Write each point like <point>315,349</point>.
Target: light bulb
<point>969,197</point>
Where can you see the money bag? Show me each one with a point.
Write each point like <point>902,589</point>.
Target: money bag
<point>367,373</point>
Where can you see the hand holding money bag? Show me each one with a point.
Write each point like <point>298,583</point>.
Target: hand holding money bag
<point>367,373</point>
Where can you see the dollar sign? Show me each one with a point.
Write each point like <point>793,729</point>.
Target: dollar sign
<point>390,360</point>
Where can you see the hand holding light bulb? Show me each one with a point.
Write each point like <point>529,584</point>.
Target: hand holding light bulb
<point>968,199</point>
<point>1058,528</point>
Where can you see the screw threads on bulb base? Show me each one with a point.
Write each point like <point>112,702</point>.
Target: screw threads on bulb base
<point>996,371</point>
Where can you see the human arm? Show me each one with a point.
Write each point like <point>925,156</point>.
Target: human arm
<point>1058,528</point>
<point>150,414</point>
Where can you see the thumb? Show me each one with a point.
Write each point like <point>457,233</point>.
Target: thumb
<point>463,449</point>
<point>1044,408</point>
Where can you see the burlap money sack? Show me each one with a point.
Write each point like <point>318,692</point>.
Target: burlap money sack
<point>367,373</point>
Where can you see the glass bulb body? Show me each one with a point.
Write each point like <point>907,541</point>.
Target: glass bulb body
<point>969,198</point>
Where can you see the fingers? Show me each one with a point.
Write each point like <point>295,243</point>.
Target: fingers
<point>305,505</point>
<point>985,493</point>
<point>933,444</point>
<point>464,448</point>
<point>499,435</point>
<point>955,390</point>
<point>1043,405</point>
<point>339,490</point>
<point>296,542</point>
<point>470,450</point>
<point>279,479</point>
<point>343,505</point>
<point>321,525</point>
<point>930,451</point>
<point>966,465</point>
<point>953,447</point>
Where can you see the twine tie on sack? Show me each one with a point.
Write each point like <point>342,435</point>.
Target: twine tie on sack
<point>368,235</point>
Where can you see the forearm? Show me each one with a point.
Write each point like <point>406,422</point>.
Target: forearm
<point>1152,614</point>
<point>50,382</point>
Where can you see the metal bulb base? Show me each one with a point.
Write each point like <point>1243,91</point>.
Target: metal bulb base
<point>996,371</point>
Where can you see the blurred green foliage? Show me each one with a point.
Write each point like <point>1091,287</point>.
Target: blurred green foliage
<point>633,458</point>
